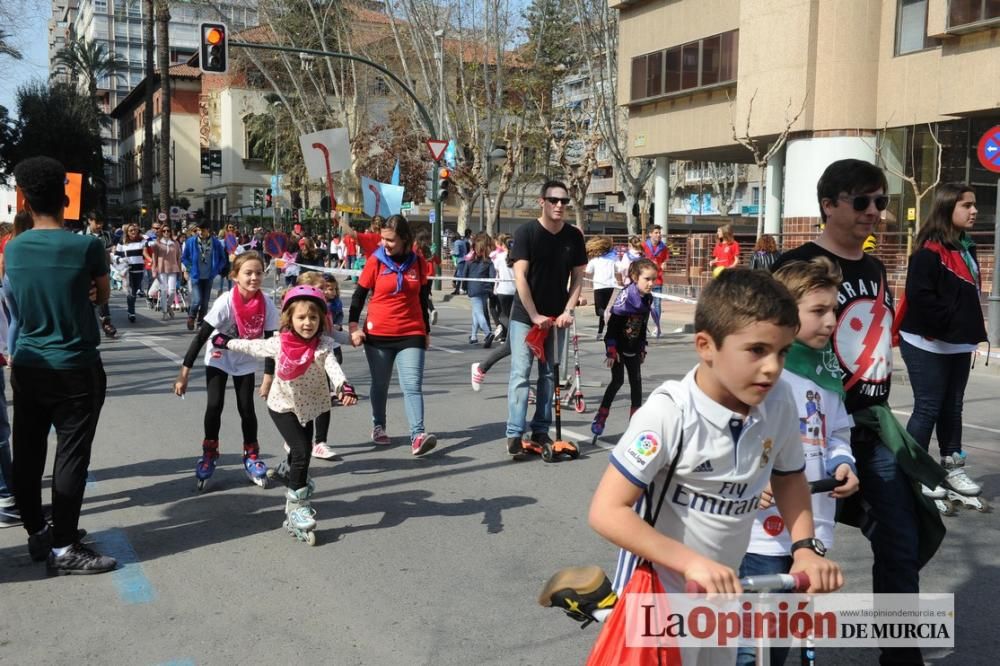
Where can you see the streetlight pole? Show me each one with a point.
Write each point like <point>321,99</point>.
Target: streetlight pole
<point>438,208</point>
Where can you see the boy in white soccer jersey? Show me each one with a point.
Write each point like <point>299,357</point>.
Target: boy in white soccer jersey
<point>738,429</point>
<point>813,374</point>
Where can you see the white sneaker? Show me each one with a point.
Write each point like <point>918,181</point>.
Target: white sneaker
<point>957,480</point>
<point>380,437</point>
<point>477,377</point>
<point>937,493</point>
<point>323,452</point>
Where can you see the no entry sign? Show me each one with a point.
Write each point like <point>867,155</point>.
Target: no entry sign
<point>989,149</point>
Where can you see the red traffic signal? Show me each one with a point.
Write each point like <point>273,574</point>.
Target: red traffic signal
<point>214,55</point>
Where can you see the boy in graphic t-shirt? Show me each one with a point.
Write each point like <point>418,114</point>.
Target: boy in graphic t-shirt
<point>814,377</point>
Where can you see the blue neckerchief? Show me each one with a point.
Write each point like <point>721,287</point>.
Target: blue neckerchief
<point>611,254</point>
<point>654,250</point>
<point>393,267</point>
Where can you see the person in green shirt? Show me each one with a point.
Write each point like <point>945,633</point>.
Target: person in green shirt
<point>56,371</point>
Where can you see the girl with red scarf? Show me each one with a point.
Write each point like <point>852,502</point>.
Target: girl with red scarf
<point>245,313</point>
<point>304,360</point>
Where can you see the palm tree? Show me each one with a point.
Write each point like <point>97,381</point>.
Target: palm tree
<point>147,115</point>
<point>7,49</point>
<point>90,59</point>
<point>163,58</point>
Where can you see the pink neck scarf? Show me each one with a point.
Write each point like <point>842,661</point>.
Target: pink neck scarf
<point>296,355</point>
<point>249,314</point>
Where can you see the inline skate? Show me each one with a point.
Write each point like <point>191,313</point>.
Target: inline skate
<point>206,464</point>
<point>254,467</point>
<point>300,517</point>
<point>960,490</point>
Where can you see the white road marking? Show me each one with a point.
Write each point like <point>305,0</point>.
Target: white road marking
<point>159,349</point>
<point>964,425</point>
<point>449,328</point>
<point>446,350</point>
<point>582,439</point>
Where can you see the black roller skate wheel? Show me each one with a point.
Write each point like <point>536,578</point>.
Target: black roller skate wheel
<point>574,454</point>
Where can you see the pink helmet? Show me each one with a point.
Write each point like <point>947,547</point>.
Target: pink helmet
<point>301,291</point>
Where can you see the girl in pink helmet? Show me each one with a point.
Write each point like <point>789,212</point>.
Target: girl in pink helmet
<point>304,361</point>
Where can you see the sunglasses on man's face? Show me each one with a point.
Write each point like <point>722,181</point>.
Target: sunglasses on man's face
<point>558,200</point>
<point>860,202</point>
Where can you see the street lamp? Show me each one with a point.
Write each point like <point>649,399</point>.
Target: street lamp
<point>498,156</point>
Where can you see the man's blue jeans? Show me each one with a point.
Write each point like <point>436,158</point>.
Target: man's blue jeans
<point>6,472</point>
<point>410,368</point>
<point>655,310</point>
<point>479,320</point>
<point>201,298</point>
<point>891,527</point>
<point>520,375</point>
<point>938,382</point>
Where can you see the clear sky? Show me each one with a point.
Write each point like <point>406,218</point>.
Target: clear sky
<point>31,36</point>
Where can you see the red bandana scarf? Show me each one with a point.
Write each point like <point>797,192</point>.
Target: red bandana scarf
<point>296,355</point>
<point>249,314</point>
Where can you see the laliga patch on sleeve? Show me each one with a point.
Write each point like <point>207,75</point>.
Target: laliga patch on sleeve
<point>643,448</point>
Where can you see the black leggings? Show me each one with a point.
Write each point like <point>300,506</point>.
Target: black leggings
<point>322,421</point>
<point>134,284</point>
<point>506,302</point>
<point>299,439</point>
<point>633,364</point>
<point>601,299</point>
<point>244,384</point>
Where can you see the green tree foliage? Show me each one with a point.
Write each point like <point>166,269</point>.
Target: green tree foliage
<point>61,123</point>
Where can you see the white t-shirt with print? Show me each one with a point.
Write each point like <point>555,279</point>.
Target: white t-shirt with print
<point>221,317</point>
<point>714,494</point>
<point>824,428</point>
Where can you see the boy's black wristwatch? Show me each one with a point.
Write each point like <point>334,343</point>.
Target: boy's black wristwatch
<point>812,543</point>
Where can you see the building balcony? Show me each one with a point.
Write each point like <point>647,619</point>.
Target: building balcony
<point>602,185</point>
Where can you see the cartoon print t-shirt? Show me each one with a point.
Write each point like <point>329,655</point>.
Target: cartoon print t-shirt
<point>863,337</point>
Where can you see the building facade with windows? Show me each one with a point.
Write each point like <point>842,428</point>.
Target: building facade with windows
<point>118,24</point>
<point>872,80</point>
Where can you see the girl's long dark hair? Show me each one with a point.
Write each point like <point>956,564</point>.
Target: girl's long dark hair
<point>938,226</point>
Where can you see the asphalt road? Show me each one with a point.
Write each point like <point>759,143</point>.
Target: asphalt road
<point>420,561</point>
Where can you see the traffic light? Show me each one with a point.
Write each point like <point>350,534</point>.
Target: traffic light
<point>258,198</point>
<point>268,200</point>
<point>214,56</point>
<point>443,184</point>
<point>142,211</point>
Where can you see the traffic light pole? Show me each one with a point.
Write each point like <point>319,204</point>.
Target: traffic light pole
<point>421,110</point>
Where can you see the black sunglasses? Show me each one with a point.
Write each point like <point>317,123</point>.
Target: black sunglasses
<point>860,202</point>
<point>558,200</point>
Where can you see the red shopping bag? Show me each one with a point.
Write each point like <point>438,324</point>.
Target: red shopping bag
<point>610,648</point>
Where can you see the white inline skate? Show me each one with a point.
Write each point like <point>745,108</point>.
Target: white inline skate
<point>300,517</point>
<point>959,490</point>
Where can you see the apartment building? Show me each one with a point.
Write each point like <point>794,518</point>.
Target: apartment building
<point>118,24</point>
<point>872,79</point>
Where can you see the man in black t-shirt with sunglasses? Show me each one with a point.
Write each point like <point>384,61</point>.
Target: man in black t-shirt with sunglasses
<point>548,255</point>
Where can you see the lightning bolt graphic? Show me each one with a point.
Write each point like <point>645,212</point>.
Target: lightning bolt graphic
<point>866,359</point>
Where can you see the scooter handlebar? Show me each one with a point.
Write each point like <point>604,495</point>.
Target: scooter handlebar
<point>796,582</point>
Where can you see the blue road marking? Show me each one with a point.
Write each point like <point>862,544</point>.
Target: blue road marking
<point>133,586</point>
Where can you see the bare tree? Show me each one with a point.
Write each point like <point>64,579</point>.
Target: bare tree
<point>574,150</point>
<point>725,181</point>
<point>762,152</point>
<point>918,192</point>
<point>599,33</point>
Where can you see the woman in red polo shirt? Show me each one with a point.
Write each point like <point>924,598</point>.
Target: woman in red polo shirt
<point>396,330</point>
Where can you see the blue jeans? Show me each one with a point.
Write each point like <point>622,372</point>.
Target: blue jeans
<point>201,298</point>
<point>890,526</point>
<point>225,284</point>
<point>655,310</point>
<point>938,382</point>
<point>520,374</point>
<point>479,320</point>
<point>460,285</point>
<point>760,565</point>
<point>6,477</point>
<point>410,368</point>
